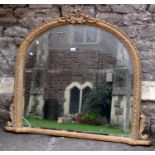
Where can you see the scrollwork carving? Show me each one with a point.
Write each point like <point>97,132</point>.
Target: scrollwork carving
<point>76,17</point>
<point>10,123</point>
<point>142,135</point>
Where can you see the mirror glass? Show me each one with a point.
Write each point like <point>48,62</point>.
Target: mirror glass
<point>78,78</point>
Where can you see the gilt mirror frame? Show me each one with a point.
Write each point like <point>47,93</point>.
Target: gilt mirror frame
<point>17,106</point>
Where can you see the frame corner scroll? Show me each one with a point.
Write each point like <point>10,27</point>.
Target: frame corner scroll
<point>142,135</point>
<point>10,122</point>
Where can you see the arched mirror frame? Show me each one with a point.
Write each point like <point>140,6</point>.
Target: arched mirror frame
<point>78,17</point>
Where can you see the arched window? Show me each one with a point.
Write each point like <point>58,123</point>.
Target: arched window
<point>74,96</point>
<point>74,100</point>
<point>85,94</point>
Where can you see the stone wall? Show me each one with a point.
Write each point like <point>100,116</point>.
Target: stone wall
<point>137,21</point>
<point>67,67</point>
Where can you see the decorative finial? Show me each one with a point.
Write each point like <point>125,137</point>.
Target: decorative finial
<point>76,17</point>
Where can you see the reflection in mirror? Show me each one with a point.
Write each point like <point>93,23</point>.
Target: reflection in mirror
<point>78,78</point>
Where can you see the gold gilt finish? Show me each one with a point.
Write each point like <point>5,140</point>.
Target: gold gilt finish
<point>17,107</point>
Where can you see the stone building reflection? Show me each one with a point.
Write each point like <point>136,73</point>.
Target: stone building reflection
<point>81,54</point>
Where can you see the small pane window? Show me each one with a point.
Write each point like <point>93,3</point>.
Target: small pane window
<point>85,94</point>
<point>91,35</point>
<point>74,100</point>
<point>78,36</point>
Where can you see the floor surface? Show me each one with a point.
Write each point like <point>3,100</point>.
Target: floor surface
<point>29,142</point>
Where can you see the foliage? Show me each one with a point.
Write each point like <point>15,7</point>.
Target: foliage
<point>98,102</point>
<point>91,118</point>
<point>100,129</point>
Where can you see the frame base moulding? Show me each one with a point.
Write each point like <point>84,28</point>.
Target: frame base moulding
<point>79,135</point>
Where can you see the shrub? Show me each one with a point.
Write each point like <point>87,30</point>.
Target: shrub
<point>91,118</point>
<point>98,102</point>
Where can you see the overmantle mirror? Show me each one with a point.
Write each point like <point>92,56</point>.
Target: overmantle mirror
<point>78,77</point>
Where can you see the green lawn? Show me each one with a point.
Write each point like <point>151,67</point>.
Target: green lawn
<point>98,129</point>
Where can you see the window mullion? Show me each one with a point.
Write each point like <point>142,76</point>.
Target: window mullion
<point>80,101</point>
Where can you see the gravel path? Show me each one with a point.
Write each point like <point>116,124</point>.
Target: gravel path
<point>29,142</point>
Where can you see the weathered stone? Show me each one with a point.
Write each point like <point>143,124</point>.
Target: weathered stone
<point>137,18</point>
<point>117,104</point>
<point>148,76</point>
<point>103,8</point>
<point>21,12</point>
<point>48,19</point>
<point>31,22</point>
<point>1,31</point>
<point>7,71</point>
<point>33,18</point>
<point>5,41</point>
<point>153,48</point>
<point>6,85</point>
<point>122,8</point>
<point>66,9</point>
<point>54,12</point>
<point>148,66</point>
<point>8,21</point>
<point>5,100</point>
<point>148,108</point>
<point>4,114</point>
<point>7,17</point>
<point>118,111</point>
<point>6,65</point>
<point>89,10</point>
<point>9,50</point>
<point>143,45</point>
<point>152,8</point>
<point>153,17</point>
<point>130,31</point>
<point>6,12</point>
<point>18,40</point>
<point>152,129</point>
<point>40,6</point>
<point>148,31</point>
<point>7,56</point>
<point>140,7</point>
<point>153,120</point>
<point>37,13</point>
<point>111,18</point>
<point>145,55</point>
<point>3,64</point>
<point>148,89</point>
<point>16,31</point>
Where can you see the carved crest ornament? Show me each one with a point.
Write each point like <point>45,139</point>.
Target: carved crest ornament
<point>78,17</point>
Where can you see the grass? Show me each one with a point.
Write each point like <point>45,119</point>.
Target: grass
<point>97,129</point>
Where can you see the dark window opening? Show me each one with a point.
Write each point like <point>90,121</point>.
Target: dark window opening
<point>85,94</point>
<point>74,100</point>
